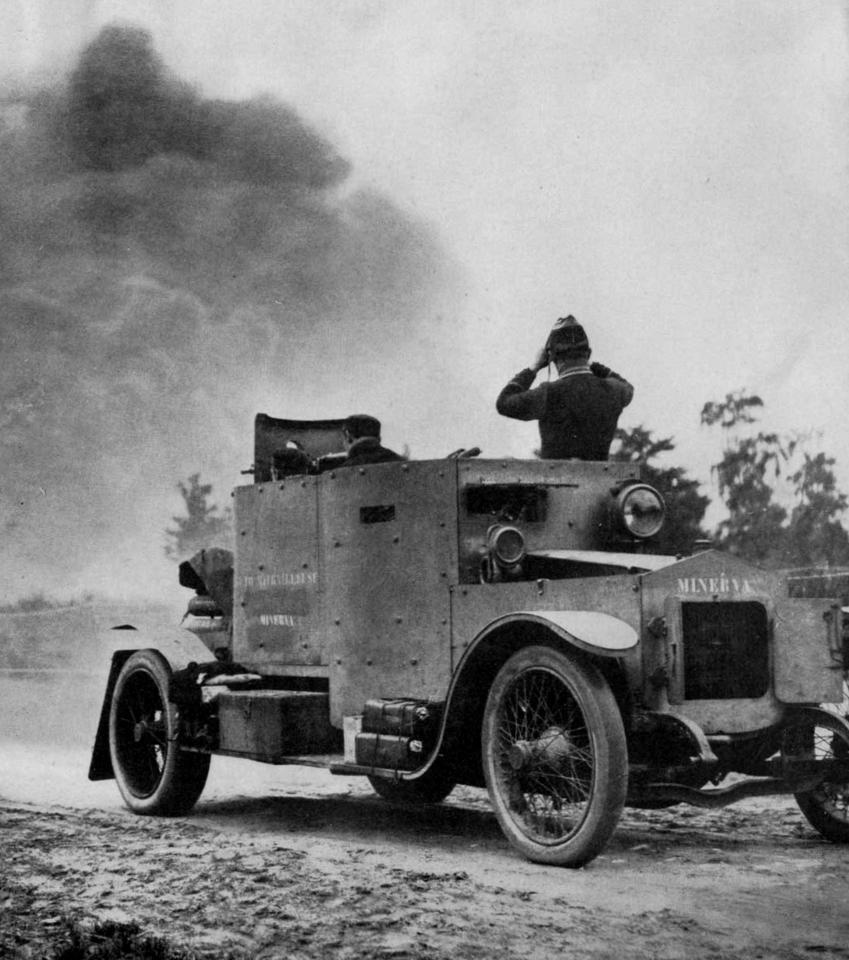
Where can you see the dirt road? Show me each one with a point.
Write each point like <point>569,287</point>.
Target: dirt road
<point>292,862</point>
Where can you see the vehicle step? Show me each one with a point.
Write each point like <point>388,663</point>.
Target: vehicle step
<point>360,770</point>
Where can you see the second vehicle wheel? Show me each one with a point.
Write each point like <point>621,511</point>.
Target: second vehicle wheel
<point>154,775</point>
<point>554,756</point>
<point>821,740</point>
<point>433,787</point>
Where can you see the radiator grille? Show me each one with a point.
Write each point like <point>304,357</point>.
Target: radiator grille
<point>726,650</point>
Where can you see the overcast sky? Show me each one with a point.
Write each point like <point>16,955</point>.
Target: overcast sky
<point>674,174</point>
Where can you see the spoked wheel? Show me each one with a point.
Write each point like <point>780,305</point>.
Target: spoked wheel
<point>554,756</point>
<point>815,743</point>
<point>153,774</point>
<point>432,787</point>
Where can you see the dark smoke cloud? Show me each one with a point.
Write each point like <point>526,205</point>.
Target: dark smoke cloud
<point>122,109</point>
<point>165,255</point>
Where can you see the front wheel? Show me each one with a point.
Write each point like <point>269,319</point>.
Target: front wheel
<point>154,775</point>
<point>554,756</point>
<point>821,740</point>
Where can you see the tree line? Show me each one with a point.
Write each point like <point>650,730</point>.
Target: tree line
<point>783,506</point>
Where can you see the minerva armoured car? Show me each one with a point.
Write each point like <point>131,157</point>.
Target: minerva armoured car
<point>497,623</point>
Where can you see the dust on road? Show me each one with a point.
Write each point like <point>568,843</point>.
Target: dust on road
<point>292,862</point>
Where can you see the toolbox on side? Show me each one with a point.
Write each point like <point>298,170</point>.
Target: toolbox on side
<point>388,751</point>
<point>397,734</point>
<point>418,719</point>
<point>270,725</point>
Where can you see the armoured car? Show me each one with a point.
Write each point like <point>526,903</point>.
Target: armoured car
<point>490,622</point>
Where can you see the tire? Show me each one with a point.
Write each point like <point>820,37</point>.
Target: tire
<point>430,788</point>
<point>555,757</point>
<point>822,737</point>
<point>154,775</point>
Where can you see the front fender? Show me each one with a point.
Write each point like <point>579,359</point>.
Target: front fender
<point>588,630</point>
<point>179,647</point>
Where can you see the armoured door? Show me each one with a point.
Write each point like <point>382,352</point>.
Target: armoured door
<point>389,534</point>
<point>277,578</point>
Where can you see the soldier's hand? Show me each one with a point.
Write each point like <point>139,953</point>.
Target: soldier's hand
<point>541,360</point>
<point>600,370</point>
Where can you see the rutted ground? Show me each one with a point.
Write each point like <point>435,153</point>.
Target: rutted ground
<point>293,862</point>
<point>290,862</point>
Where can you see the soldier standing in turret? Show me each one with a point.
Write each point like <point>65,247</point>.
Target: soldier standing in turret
<point>578,412</point>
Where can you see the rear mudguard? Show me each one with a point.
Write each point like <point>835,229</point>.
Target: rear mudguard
<point>178,647</point>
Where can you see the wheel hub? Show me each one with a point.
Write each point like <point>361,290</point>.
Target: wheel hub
<point>139,730</point>
<point>551,749</point>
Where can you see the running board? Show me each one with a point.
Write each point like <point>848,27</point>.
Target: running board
<point>364,770</point>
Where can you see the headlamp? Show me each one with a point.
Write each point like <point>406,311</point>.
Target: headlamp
<point>506,545</point>
<point>640,510</point>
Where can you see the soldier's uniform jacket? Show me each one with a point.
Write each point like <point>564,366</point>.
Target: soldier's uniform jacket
<point>577,413</point>
<point>368,450</point>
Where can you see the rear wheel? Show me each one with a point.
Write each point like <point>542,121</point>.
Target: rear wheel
<point>821,740</point>
<point>154,775</point>
<point>432,787</point>
<point>554,756</point>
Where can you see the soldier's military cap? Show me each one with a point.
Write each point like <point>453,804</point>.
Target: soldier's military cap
<point>362,425</point>
<point>568,336</point>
